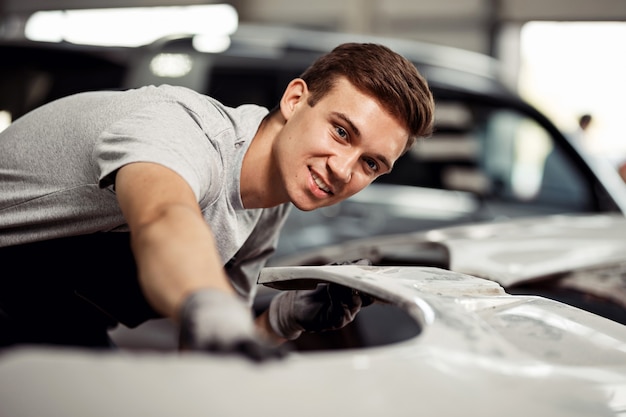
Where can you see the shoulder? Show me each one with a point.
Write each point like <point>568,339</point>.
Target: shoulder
<point>215,118</point>
<point>200,103</point>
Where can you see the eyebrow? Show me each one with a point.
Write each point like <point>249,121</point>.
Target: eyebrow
<point>357,132</point>
<point>346,119</point>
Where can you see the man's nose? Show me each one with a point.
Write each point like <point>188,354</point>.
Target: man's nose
<point>342,164</point>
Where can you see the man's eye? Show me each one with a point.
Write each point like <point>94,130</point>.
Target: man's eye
<point>372,164</point>
<point>341,132</point>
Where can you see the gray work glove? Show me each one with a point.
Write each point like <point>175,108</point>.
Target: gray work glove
<point>327,307</point>
<point>215,321</point>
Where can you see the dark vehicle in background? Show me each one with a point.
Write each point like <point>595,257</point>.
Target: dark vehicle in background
<point>492,156</point>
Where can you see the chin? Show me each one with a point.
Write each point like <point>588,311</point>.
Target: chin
<point>305,207</point>
<point>309,205</point>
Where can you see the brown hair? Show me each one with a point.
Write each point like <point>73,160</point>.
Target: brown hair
<point>382,73</point>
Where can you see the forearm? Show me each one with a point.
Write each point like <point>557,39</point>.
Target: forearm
<point>176,255</point>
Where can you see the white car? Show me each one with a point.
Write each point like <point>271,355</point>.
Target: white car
<point>435,343</point>
<point>577,259</point>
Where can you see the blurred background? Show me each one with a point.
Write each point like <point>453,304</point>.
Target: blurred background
<point>564,56</point>
<point>513,80</point>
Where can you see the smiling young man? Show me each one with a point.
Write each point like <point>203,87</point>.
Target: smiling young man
<point>162,202</point>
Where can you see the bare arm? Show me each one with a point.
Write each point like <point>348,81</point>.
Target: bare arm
<point>173,247</point>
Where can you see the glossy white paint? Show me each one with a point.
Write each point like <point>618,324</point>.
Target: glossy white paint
<point>508,251</point>
<point>481,352</point>
<point>525,249</point>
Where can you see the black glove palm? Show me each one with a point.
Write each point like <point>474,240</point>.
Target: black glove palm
<point>328,307</point>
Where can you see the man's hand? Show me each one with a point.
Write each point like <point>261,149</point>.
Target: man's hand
<point>328,307</point>
<point>215,321</point>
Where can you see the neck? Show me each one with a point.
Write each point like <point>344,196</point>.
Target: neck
<point>260,183</point>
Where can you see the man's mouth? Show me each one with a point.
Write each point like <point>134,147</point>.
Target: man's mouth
<point>321,185</point>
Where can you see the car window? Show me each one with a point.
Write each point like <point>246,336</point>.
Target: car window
<point>500,155</point>
<point>528,166</point>
<point>235,86</point>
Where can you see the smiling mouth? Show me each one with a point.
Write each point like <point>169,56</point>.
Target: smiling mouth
<point>320,184</point>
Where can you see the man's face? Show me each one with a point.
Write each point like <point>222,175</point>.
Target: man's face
<point>329,152</point>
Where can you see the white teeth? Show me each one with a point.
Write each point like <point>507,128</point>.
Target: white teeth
<point>320,183</point>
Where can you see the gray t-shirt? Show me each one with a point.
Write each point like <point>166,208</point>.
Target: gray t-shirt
<point>57,167</point>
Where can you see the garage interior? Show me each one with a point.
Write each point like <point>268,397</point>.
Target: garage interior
<point>566,57</point>
<point>494,27</point>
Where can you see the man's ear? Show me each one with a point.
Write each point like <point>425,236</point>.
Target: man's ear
<point>295,93</point>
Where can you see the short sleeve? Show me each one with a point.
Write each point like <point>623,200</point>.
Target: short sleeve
<point>165,133</point>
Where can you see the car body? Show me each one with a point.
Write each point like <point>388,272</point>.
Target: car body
<point>577,259</point>
<point>435,342</point>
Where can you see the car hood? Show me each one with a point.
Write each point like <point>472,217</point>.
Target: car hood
<point>509,252</point>
<point>479,352</point>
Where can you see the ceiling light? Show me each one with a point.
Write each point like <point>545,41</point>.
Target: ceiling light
<point>171,65</point>
<point>131,26</point>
